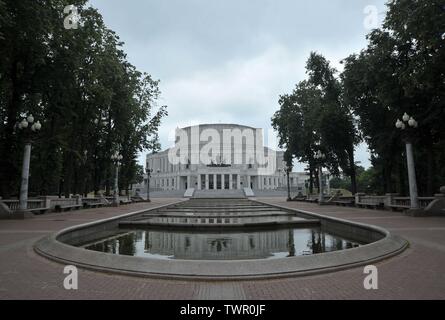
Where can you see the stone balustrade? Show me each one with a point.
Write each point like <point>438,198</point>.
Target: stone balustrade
<point>33,204</point>
<point>393,201</point>
<point>53,203</point>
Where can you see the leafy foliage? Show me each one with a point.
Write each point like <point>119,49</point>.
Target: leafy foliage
<point>401,70</point>
<point>91,101</point>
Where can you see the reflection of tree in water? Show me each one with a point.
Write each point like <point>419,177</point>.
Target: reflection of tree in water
<point>317,243</point>
<point>147,243</point>
<point>251,242</point>
<point>127,244</point>
<point>338,243</point>
<point>112,246</point>
<point>219,244</point>
<point>187,242</point>
<point>291,243</point>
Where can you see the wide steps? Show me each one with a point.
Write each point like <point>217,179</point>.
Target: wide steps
<point>217,214</point>
<point>219,194</point>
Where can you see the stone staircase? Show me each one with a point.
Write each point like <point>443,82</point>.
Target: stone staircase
<point>221,194</point>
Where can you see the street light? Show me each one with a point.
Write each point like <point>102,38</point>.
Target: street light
<point>28,126</point>
<point>319,156</point>
<point>116,157</point>
<point>149,171</point>
<point>287,170</point>
<point>409,123</point>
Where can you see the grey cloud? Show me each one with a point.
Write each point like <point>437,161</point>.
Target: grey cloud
<point>229,60</point>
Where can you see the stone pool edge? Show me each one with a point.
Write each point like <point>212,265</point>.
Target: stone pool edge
<point>52,248</point>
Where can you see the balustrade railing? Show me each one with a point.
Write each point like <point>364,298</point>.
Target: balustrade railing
<point>406,201</point>
<point>63,202</point>
<point>14,205</point>
<point>371,200</point>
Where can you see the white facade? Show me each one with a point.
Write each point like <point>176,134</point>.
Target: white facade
<point>230,163</point>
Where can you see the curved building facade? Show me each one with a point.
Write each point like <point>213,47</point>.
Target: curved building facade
<point>217,157</point>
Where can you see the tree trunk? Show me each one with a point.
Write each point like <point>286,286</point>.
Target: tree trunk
<point>352,171</point>
<point>288,185</point>
<point>108,177</point>
<point>402,177</point>
<point>430,171</point>
<point>311,181</point>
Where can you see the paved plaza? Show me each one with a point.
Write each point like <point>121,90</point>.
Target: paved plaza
<point>415,274</point>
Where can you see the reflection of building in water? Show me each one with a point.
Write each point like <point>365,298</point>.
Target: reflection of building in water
<point>221,246</point>
<point>217,246</point>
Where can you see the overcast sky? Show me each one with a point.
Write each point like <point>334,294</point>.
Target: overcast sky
<point>229,60</point>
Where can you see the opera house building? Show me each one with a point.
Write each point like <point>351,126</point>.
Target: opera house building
<point>217,157</point>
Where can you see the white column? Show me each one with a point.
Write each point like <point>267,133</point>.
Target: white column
<point>412,177</point>
<point>207,181</point>
<point>238,182</point>
<point>248,181</point>
<point>329,185</point>
<point>222,182</point>
<point>214,182</point>
<point>188,182</point>
<point>320,185</point>
<point>199,182</point>
<point>230,181</point>
<point>23,203</point>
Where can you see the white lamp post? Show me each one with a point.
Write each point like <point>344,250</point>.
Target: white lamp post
<point>28,126</point>
<point>116,157</point>
<point>406,123</point>
<point>319,156</point>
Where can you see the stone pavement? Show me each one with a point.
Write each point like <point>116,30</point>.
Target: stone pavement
<point>418,273</point>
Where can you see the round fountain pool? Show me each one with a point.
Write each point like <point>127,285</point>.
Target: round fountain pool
<point>200,245</point>
<point>220,239</point>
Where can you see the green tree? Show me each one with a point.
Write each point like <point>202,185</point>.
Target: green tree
<point>91,101</point>
<point>313,119</point>
<point>402,70</point>
<point>338,133</point>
